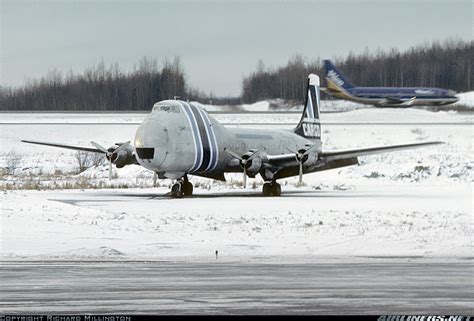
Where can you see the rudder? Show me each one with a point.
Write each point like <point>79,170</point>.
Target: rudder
<point>310,125</point>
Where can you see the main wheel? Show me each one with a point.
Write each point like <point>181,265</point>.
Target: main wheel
<point>276,189</point>
<point>267,189</point>
<point>177,190</point>
<point>187,189</point>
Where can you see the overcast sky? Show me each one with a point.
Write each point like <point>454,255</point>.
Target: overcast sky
<point>218,42</point>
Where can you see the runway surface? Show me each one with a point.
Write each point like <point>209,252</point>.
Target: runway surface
<point>371,286</point>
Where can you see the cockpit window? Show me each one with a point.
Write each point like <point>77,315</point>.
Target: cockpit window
<point>167,108</point>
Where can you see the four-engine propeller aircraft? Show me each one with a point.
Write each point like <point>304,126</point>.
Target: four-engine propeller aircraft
<point>338,86</point>
<point>178,139</point>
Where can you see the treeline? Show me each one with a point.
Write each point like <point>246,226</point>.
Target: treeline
<point>445,64</point>
<point>100,88</point>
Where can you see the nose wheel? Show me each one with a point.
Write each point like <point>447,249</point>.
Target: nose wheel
<point>271,189</point>
<point>182,188</point>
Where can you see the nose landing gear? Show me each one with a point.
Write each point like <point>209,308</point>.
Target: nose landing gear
<point>182,188</point>
<point>271,189</point>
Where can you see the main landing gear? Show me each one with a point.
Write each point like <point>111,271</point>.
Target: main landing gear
<point>182,188</point>
<point>271,189</point>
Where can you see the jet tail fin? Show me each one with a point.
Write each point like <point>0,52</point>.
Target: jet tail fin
<point>334,78</point>
<point>309,125</point>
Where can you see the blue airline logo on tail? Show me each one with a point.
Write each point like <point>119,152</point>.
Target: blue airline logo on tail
<point>334,77</point>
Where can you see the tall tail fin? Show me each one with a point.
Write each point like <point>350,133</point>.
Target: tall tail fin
<point>335,79</point>
<point>310,125</point>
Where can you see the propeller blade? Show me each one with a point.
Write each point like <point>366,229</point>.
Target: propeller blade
<point>110,170</point>
<point>309,149</point>
<point>122,146</point>
<point>231,153</point>
<point>100,147</point>
<point>254,154</point>
<point>301,173</point>
<point>245,178</point>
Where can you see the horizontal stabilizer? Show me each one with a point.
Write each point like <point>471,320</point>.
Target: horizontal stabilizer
<point>333,155</point>
<point>79,148</point>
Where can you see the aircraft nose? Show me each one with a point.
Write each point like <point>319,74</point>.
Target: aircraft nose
<point>145,134</point>
<point>149,143</point>
<point>144,146</point>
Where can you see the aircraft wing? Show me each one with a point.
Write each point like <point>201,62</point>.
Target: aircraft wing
<point>343,154</point>
<point>79,148</point>
<point>391,101</point>
<point>289,165</point>
<point>290,159</point>
<point>282,160</point>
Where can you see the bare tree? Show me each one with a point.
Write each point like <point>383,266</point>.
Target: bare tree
<point>86,160</point>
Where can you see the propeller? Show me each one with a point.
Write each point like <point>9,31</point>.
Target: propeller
<point>300,157</point>
<point>111,152</point>
<point>244,160</point>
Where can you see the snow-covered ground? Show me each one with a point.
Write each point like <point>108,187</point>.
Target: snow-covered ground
<point>371,220</point>
<point>415,202</point>
<point>466,99</point>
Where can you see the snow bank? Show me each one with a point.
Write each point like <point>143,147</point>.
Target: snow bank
<point>466,99</point>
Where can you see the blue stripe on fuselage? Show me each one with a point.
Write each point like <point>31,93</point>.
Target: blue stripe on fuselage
<point>213,142</point>
<point>196,137</point>
<point>206,149</point>
<point>400,92</point>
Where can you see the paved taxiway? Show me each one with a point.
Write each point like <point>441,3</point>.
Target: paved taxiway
<point>371,286</point>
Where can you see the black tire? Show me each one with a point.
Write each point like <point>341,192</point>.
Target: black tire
<point>267,189</point>
<point>177,191</point>
<point>187,189</point>
<point>276,189</point>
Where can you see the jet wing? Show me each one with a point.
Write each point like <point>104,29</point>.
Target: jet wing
<point>391,101</point>
<point>343,154</point>
<point>79,148</point>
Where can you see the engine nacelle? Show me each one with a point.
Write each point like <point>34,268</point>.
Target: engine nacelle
<point>123,157</point>
<point>311,159</point>
<point>254,166</point>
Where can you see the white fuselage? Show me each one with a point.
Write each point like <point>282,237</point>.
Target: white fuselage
<point>180,138</point>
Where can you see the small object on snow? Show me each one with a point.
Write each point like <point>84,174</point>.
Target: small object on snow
<point>216,254</point>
